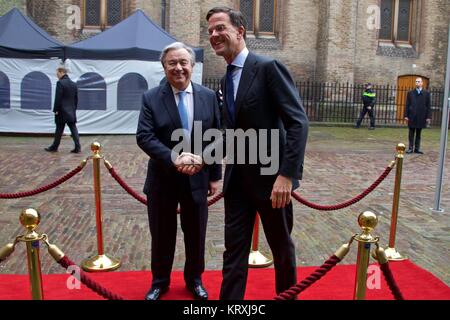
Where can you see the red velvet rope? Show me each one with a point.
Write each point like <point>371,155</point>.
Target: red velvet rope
<point>391,281</point>
<point>140,198</point>
<point>42,189</point>
<point>88,282</point>
<point>293,291</point>
<point>215,199</point>
<point>346,203</point>
<point>123,184</point>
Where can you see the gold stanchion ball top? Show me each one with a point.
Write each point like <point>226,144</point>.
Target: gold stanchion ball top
<point>401,147</point>
<point>96,146</point>
<point>367,220</point>
<point>30,218</point>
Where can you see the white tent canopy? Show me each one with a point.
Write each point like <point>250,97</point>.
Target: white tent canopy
<point>111,69</point>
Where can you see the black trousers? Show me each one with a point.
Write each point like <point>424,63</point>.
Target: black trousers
<point>59,132</point>
<point>414,141</point>
<point>363,113</point>
<point>241,205</point>
<point>162,214</point>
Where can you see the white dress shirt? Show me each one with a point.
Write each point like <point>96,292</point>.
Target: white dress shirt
<point>237,72</point>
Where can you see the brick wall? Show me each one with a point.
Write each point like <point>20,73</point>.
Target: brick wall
<point>295,44</point>
<point>322,40</point>
<point>152,9</point>
<point>426,58</point>
<point>184,22</point>
<point>6,5</point>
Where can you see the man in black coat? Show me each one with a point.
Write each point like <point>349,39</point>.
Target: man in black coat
<point>177,105</point>
<point>259,96</point>
<point>418,115</point>
<point>65,107</point>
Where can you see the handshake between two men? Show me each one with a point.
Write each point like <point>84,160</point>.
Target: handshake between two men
<point>190,164</point>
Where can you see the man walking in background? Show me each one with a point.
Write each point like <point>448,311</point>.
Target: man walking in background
<point>65,107</point>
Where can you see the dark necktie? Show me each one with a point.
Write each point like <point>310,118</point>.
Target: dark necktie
<point>230,92</point>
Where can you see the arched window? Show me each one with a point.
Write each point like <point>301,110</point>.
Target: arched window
<point>129,91</point>
<point>36,91</point>
<point>4,91</point>
<point>91,92</point>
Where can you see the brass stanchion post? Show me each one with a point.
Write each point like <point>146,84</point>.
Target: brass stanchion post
<point>6,251</point>
<point>99,262</point>
<point>367,220</point>
<point>391,252</point>
<point>30,219</point>
<point>256,259</point>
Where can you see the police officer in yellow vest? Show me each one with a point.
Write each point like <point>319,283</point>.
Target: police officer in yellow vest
<point>368,98</point>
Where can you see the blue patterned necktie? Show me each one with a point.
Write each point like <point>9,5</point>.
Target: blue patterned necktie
<point>230,92</point>
<point>183,111</point>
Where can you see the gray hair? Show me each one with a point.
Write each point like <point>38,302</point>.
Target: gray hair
<point>176,46</point>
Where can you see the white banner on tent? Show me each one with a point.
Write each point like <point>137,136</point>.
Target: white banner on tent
<point>27,94</point>
<point>17,71</point>
<point>109,93</point>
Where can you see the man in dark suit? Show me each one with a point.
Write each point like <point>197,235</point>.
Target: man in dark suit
<point>418,115</point>
<point>259,93</point>
<point>65,107</point>
<point>172,178</point>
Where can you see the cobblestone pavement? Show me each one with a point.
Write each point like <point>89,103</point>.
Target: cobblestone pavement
<point>340,163</point>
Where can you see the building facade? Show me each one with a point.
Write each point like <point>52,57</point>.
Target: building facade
<point>355,41</point>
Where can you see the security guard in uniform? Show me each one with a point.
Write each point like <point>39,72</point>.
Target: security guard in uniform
<point>368,98</point>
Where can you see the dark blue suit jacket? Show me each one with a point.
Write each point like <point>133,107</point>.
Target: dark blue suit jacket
<point>66,100</point>
<point>158,118</point>
<point>268,99</point>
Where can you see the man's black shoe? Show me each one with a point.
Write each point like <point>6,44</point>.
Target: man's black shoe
<point>198,291</point>
<point>371,128</point>
<point>75,151</point>
<point>50,149</point>
<point>418,151</point>
<point>155,293</point>
<point>409,151</point>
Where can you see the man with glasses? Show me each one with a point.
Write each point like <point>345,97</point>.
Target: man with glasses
<point>418,115</point>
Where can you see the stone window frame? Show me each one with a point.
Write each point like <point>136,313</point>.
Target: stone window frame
<point>255,33</point>
<point>103,15</point>
<point>403,49</point>
<point>413,6</point>
<point>264,40</point>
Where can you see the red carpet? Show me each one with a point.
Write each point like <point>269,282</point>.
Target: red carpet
<point>415,284</point>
